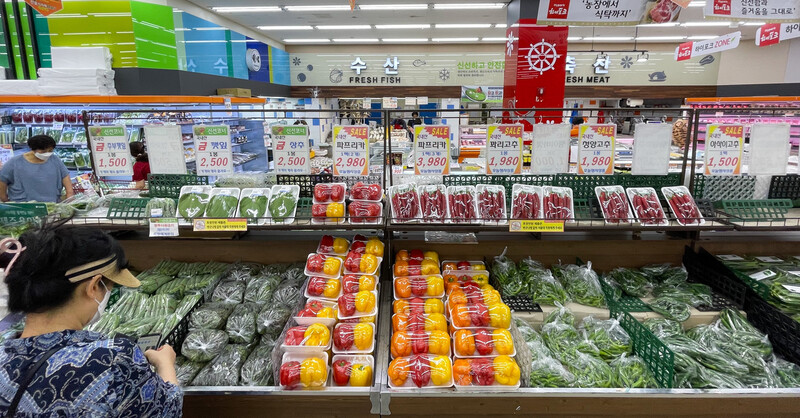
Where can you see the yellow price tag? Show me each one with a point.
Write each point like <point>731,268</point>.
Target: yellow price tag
<point>535,226</point>
<point>201,225</point>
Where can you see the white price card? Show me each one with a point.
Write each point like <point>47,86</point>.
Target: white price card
<point>730,257</point>
<point>411,102</point>
<point>769,149</point>
<point>723,153</point>
<point>163,227</point>
<point>165,149</point>
<point>422,100</point>
<point>550,148</point>
<point>110,151</point>
<point>793,289</point>
<point>504,149</point>
<point>651,146</point>
<point>351,150</point>
<point>6,153</point>
<point>596,149</point>
<point>431,150</point>
<point>769,259</point>
<point>761,275</point>
<point>212,147</point>
<point>291,154</point>
<point>390,102</point>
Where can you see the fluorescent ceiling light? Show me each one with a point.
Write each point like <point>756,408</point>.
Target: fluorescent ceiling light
<point>418,6</point>
<point>425,26</point>
<point>697,4</point>
<point>469,5</point>
<point>501,25</point>
<point>753,23</point>
<point>455,39</point>
<point>182,29</point>
<point>109,14</point>
<point>210,41</point>
<point>660,38</point>
<point>338,27</point>
<point>463,25</point>
<point>320,8</point>
<point>710,23</point>
<point>702,37</point>
<point>494,39</point>
<point>609,38</point>
<point>404,40</point>
<point>246,9</point>
<point>574,38</point>
<point>285,28</point>
<point>217,28</point>
<point>356,40</point>
<point>658,25</point>
<point>316,41</point>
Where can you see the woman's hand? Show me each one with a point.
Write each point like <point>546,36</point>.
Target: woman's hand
<point>163,359</point>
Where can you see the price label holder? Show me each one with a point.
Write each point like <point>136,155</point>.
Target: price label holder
<point>651,147</point>
<point>730,257</point>
<point>550,149</point>
<point>149,342</point>
<point>535,226</point>
<point>220,225</point>
<point>110,151</point>
<point>431,150</point>
<point>167,154</point>
<point>761,275</point>
<point>596,149</point>
<point>291,151</point>
<point>769,149</point>
<point>163,227</point>
<point>723,153</point>
<point>351,150</point>
<point>212,147</point>
<point>504,150</point>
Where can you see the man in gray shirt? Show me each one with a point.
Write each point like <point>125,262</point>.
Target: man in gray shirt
<point>36,175</point>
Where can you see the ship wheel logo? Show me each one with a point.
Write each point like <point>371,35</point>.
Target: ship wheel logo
<point>542,56</point>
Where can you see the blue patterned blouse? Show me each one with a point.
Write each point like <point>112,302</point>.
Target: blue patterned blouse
<point>92,376</point>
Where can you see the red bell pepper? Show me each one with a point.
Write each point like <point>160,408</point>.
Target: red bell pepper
<point>290,374</point>
<point>341,372</point>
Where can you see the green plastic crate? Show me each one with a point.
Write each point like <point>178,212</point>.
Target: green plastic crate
<point>127,208</point>
<point>583,210</point>
<point>757,210</point>
<point>530,179</point>
<point>583,185</point>
<point>658,357</point>
<point>473,180</point>
<point>303,208</point>
<point>699,186</point>
<point>169,185</point>
<point>624,304</point>
<point>656,182</point>
<point>306,182</point>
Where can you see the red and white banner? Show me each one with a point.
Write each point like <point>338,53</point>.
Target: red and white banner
<point>689,50</point>
<point>772,33</point>
<point>769,10</point>
<point>591,12</point>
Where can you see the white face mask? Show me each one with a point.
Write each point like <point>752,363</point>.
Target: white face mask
<point>101,305</point>
<point>43,155</point>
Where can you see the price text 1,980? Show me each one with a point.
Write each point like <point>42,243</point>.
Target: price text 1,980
<point>596,161</point>
<point>506,161</point>
<point>596,144</point>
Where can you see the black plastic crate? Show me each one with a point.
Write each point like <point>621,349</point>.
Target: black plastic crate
<point>306,182</point>
<point>785,187</point>
<point>169,185</point>
<point>718,303</point>
<point>521,304</point>
<point>782,330</point>
<point>178,334</point>
<point>706,269</point>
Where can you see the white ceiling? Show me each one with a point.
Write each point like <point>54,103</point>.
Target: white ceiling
<point>431,16</point>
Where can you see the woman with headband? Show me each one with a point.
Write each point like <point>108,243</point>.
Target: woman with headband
<point>61,278</point>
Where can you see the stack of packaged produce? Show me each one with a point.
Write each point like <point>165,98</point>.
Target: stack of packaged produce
<point>277,205</point>
<point>780,276</point>
<point>339,314</point>
<point>330,199</point>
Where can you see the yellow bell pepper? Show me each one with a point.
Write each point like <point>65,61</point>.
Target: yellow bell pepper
<point>479,267</point>
<point>435,322</point>
<point>434,306</point>
<point>367,319</point>
<point>503,342</point>
<point>435,286</point>
<point>365,301</point>
<point>361,375</point>
<point>375,247</point>
<point>332,288</point>
<point>429,267</point>
<point>441,370</point>
<point>506,371</point>
<point>431,255</point>
<point>335,210</point>
<point>313,372</point>
<point>481,279</point>
<point>332,266</point>
<point>367,283</point>
<point>340,245</point>
<point>439,343</point>
<point>316,335</point>
<point>368,263</point>
<point>491,296</point>
<point>326,312</point>
<point>500,316</point>
<point>362,335</point>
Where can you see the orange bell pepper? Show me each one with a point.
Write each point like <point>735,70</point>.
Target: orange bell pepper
<point>439,343</point>
<point>460,316</point>
<point>402,255</point>
<point>457,297</point>
<point>449,266</point>
<point>462,372</point>
<point>401,344</point>
<point>401,306</point>
<point>464,342</point>
<point>402,286</point>
<point>398,371</point>
<point>400,322</point>
<point>401,268</point>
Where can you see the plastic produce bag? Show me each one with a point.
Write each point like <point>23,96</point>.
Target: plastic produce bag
<point>210,316</point>
<point>560,338</point>
<point>257,370</point>
<point>582,284</point>
<point>608,336</point>
<point>160,208</point>
<point>504,271</point>
<point>241,326</point>
<point>186,370</point>
<point>549,373</point>
<point>231,292</point>
<point>204,344</point>
<point>589,371</point>
<point>541,284</point>
<point>293,277</point>
<point>671,308</point>
<point>632,372</point>
<point>631,281</point>
<point>787,372</point>
<point>224,370</point>
<point>260,289</point>
<point>560,314</point>
<point>152,281</point>
<point>286,297</point>
<point>271,320</point>
<point>663,328</point>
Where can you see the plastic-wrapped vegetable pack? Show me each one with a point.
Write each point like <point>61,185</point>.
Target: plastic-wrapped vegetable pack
<point>633,282</point>
<point>203,345</point>
<point>632,372</point>
<point>260,289</point>
<point>560,314</point>
<point>541,284</point>
<point>241,326</point>
<point>504,271</point>
<point>152,281</point>
<point>589,371</point>
<point>671,308</point>
<point>561,338</point>
<point>210,316</point>
<point>608,336</point>
<point>230,292</point>
<point>286,296</point>
<point>663,328</point>
<point>271,320</point>
<point>225,369</point>
<point>187,370</point>
<point>582,284</point>
<point>547,372</point>
<point>258,369</point>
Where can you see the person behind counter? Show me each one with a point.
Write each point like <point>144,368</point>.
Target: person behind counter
<point>36,175</point>
<point>62,278</point>
<point>141,168</point>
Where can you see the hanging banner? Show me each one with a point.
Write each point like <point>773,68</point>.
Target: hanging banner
<point>111,154</point>
<point>651,147</point>
<point>351,150</point>
<point>761,10</point>
<point>769,149</point>
<point>432,150</point>
<point>46,7</point>
<point>482,94</point>
<point>550,148</point>
<point>723,153</point>
<point>212,145</point>
<point>772,33</point>
<point>504,150</point>
<point>291,152</point>
<point>165,149</point>
<point>606,12</point>
<point>689,50</point>
<point>596,149</point>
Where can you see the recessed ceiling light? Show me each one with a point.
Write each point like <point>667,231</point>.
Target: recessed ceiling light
<point>319,8</point>
<point>608,38</point>
<point>701,23</point>
<point>285,28</point>
<point>753,23</point>
<point>357,40</point>
<point>463,25</point>
<point>418,6</point>
<point>469,5</point>
<point>403,40</point>
<point>338,27</point>
<point>702,37</point>
<point>246,9</point>
<point>316,41</point>
<point>455,39</point>
<point>574,38</point>
<point>660,38</point>
<point>425,26</point>
<point>211,28</point>
<point>494,39</point>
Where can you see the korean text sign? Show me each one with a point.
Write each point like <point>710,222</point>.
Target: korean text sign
<point>351,150</point>
<point>432,150</point>
<point>110,151</point>
<point>212,145</point>
<point>291,153</point>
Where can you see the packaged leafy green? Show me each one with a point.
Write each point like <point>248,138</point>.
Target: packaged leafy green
<point>257,370</point>
<point>283,203</point>
<point>230,293</point>
<point>159,207</point>
<point>193,201</point>
<point>271,320</point>
<point>253,205</point>
<point>223,203</point>
<point>202,345</point>
<point>241,326</point>
<point>186,370</point>
<point>224,369</point>
<point>210,316</point>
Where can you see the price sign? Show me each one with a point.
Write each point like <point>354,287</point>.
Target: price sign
<point>165,149</point>
<point>504,149</point>
<point>550,149</point>
<point>431,150</point>
<point>536,226</point>
<point>651,146</point>
<point>723,153</point>
<point>212,147</point>
<point>423,100</point>
<point>6,153</point>
<point>21,212</point>
<point>110,151</point>
<point>390,102</point>
<point>290,153</point>
<point>201,225</point>
<point>163,227</point>
<point>596,149</point>
<point>769,149</point>
<point>351,150</point>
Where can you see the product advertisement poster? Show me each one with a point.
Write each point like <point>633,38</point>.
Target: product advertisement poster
<point>596,149</point>
<point>291,153</point>
<point>689,50</point>
<point>504,149</point>
<point>550,148</point>
<point>110,151</point>
<point>606,13</point>
<point>723,152</point>
<point>213,152</point>
<point>431,150</point>
<point>651,147</point>
<point>482,94</point>
<point>351,150</point>
<point>772,10</point>
<point>772,33</point>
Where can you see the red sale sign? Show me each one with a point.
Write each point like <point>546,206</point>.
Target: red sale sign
<point>558,9</point>
<point>722,7</point>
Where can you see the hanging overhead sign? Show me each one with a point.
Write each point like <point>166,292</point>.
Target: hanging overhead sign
<point>772,33</point>
<point>606,12</point>
<point>689,50</point>
<point>769,10</point>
